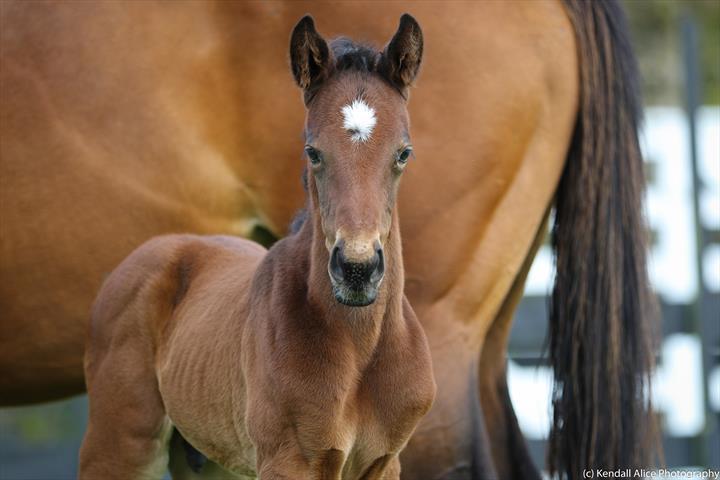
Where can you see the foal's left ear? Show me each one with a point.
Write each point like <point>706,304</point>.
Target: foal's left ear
<point>310,56</point>
<point>400,61</point>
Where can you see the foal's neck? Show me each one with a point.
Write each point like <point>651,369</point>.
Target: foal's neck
<point>365,324</point>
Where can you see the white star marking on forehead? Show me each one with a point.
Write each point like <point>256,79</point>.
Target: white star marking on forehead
<point>359,120</point>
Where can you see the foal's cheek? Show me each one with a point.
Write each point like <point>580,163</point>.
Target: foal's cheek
<point>386,220</point>
<point>320,191</point>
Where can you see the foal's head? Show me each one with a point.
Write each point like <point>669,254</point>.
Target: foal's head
<point>357,146</point>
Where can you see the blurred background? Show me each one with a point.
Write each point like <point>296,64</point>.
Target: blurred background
<point>678,46</point>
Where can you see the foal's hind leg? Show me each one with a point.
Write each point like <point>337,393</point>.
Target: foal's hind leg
<point>128,432</point>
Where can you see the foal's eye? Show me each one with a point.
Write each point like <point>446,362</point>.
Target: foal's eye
<point>314,156</point>
<point>402,157</point>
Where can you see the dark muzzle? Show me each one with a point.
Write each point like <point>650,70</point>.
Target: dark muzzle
<point>354,283</point>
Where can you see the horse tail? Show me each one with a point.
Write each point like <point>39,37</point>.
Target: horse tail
<point>600,310</point>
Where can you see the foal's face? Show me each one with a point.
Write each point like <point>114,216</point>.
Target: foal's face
<point>357,146</point>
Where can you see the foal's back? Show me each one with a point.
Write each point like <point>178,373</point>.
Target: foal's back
<point>169,320</point>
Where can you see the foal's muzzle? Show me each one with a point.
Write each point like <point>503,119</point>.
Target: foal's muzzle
<point>355,283</point>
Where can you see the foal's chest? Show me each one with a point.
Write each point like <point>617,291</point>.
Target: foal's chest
<point>371,446</point>
<point>382,423</point>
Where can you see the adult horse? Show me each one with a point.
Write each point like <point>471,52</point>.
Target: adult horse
<point>121,121</point>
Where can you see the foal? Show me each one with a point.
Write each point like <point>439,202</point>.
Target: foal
<point>302,362</point>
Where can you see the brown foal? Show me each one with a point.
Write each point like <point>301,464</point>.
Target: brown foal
<point>305,361</point>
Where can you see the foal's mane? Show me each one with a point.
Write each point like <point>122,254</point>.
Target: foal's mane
<point>354,56</point>
<point>351,56</point>
<point>301,215</point>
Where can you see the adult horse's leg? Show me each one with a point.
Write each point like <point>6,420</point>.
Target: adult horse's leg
<point>509,450</point>
<point>599,334</point>
<point>499,168</point>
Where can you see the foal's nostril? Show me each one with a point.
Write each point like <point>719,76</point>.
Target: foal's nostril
<point>336,270</point>
<point>379,266</point>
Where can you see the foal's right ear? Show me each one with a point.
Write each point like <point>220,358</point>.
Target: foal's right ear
<point>309,55</point>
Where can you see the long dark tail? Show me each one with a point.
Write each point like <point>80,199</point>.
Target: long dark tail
<point>601,343</point>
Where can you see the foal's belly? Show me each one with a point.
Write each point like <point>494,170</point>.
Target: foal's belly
<point>198,362</point>
<point>204,398</point>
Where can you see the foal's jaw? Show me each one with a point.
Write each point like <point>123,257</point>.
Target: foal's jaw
<point>355,298</point>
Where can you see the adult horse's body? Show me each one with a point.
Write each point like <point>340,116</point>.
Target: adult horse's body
<point>109,110</point>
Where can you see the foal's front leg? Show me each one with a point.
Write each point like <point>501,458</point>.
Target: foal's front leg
<point>384,468</point>
<point>291,464</point>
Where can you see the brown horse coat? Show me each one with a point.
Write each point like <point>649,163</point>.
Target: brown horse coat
<point>265,362</point>
<point>184,336</point>
<point>120,121</point>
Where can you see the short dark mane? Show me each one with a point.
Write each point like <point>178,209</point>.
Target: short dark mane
<point>350,55</point>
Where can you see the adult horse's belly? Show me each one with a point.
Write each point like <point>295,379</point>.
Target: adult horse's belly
<point>124,121</point>
<point>121,122</point>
